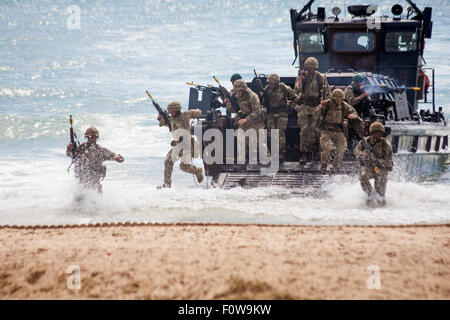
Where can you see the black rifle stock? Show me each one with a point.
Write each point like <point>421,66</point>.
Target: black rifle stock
<point>72,135</point>
<point>261,92</point>
<point>228,95</point>
<point>163,114</point>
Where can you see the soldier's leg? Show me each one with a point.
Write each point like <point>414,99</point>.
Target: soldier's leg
<point>168,168</point>
<point>340,143</point>
<point>282,125</point>
<point>364,177</point>
<point>271,124</point>
<point>326,146</point>
<point>380,182</point>
<point>189,168</point>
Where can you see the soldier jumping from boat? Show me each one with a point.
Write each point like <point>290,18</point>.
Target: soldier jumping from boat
<point>178,120</point>
<point>312,89</point>
<point>279,98</point>
<point>333,124</point>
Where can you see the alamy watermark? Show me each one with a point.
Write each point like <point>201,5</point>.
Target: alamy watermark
<point>374,280</point>
<point>73,21</point>
<point>251,145</point>
<point>74,280</point>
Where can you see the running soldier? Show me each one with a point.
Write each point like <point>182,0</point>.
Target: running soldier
<point>333,124</point>
<point>375,163</point>
<point>279,97</point>
<point>88,159</point>
<point>312,89</point>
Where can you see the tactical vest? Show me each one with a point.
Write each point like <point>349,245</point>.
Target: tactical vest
<point>314,101</point>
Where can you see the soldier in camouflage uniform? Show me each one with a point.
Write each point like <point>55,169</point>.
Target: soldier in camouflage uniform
<point>234,77</point>
<point>250,115</point>
<point>179,120</point>
<point>88,159</point>
<point>279,97</point>
<point>376,164</point>
<point>334,113</point>
<point>312,89</point>
<point>355,95</point>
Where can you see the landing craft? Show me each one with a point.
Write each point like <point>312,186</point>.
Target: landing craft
<point>389,53</point>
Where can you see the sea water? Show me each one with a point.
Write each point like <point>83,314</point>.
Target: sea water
<point>95,59</point>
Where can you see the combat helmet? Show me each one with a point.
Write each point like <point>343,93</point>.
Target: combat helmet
<point>273,78</point>
<point>174,106</point>
<point>92,131</point>
<point>240,85</point>
<point>235,76</point>
<point>311,62</point>
<point>337,94</point>
<point>376,126</point>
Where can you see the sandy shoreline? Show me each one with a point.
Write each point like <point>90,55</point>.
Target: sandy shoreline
<point>225,262</point>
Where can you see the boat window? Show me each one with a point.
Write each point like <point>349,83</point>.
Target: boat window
<point>353,42</point>
<point>400,42</point>
<point>311,42</point>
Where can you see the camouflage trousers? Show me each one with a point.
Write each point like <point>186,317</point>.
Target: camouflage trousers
<point>278,121</point>
<point>380,179</point>
<point>168,166</point>
<point>307,122</point>
<point>327,139</point>
<point>244,143</point>
<point>90,178</point>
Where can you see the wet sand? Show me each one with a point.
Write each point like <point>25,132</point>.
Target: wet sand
<point>225,262</point>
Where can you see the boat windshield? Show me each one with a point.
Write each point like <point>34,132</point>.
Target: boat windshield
<point>400,41</point>
<point>311,42</point>
<point>353,41</point>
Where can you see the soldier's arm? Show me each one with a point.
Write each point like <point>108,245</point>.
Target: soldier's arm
<point>359,150</point>
<point>194,113</point>
<point>326,88</point>
<point>297,87</point>
<point>291,97</point>
<point>350,96</point>
<point>255,106</point>
<point>387,161</point>
<point>348,109</point>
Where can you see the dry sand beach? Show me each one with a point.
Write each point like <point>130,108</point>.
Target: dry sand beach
<point>225,262</point>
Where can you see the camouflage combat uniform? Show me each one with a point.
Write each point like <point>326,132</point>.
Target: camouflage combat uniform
<point>180,121</point>
<point>250,109</point>
<point>332,126</point>
<point>88,161</point>
<point>310,93</point>
<point>376,169</point>
<point>277,114</point>
<point>350,98</point>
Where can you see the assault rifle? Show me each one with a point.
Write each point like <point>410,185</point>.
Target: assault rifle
<point>73,135</point>
<point>383,88</point>
<point>368,159</point>
<point>163,114</point>
<point>229,96</point>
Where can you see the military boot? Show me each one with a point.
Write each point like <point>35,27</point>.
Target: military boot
<point>164,185</point>
<point>303,157</point>
<point>323,168</point>
<point>199,175</point>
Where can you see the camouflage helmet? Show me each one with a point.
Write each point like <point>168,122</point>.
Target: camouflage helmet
<point>235,76</point>
<point>239,85</point>
<point>273,78</point>
<point>91,132</point>
<point>174,106</point>
<point>337,94</point>
<point>376,126</point>
<point>311,62</point>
